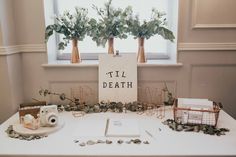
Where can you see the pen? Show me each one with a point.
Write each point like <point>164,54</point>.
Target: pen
<point>149,133</point>
<point>107,124</point>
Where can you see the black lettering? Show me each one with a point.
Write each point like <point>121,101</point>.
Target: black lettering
<point>123,84</point>
<point>110,74</point>
<point>129,84</point>
<point>117,73</point>
<point>117,85</point>
<point>123,74</point>
<point>110,84</point>
<point>104,85</point>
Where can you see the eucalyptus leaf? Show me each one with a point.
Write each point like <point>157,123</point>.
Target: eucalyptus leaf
<point>111,23</point>
<point>72,26</point>
<point>147,29</point>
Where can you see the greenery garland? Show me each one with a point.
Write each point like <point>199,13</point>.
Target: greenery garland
<point>75,104</point>
<point>13,134</point>
<point>206,129</point>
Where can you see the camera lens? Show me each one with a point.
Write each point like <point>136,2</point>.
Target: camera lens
<point>52,119</point>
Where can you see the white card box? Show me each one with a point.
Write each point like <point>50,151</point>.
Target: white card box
<point>196,111</point>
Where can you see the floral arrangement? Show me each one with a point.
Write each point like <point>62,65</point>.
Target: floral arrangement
<point>112,23</point>
<point>147,29</point>
<point>72,26</point>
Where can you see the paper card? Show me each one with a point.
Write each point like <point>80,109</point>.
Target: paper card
<point>195,117</point>
<point>118,78</point>
<point>197,103</point>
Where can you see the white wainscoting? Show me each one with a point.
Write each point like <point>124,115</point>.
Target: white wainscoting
<point>216,19</point>
<point>8,50</point>
<point>206,46</point>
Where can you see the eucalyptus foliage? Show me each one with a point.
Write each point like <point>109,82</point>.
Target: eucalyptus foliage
<point>72,26</point>
<point>206,129</point>
<point>146,29</point>
<point>112,23</point>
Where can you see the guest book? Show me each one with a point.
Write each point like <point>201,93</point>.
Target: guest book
<point>116,127</point>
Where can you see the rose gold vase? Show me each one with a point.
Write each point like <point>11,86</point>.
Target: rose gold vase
<point>141,53</point>
<point>111,46</point>
<point>75,56</point>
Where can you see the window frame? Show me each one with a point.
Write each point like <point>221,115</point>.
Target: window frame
<point>94,56</point>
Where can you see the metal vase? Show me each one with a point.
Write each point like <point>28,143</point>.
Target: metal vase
<point>111,46</point>
<point>75,55</point>
<point>141,53</point>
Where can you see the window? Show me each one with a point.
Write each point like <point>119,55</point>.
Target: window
<point>156,47</point>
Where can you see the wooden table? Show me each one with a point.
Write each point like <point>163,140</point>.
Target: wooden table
<point>164,142</point>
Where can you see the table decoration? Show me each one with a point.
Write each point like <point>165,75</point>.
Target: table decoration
<point>13,134</point>
<point>136,141</point>
<point>75,105</point>
<point>91,127</point>
<point>206,129</point>
<point>29,128</point>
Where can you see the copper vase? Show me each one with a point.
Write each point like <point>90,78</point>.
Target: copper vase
<point>75,56</point>
<point>111,46</point>
<point>141,53</point>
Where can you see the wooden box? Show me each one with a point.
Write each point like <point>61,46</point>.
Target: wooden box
<point>32,108</point>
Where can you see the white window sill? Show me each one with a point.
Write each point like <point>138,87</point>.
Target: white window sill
<point>95,63</point>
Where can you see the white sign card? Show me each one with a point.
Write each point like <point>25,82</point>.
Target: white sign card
<point>118,78</point>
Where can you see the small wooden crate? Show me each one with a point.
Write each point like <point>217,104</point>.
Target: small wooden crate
<point>196,116</point>
<point>32,108</point>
